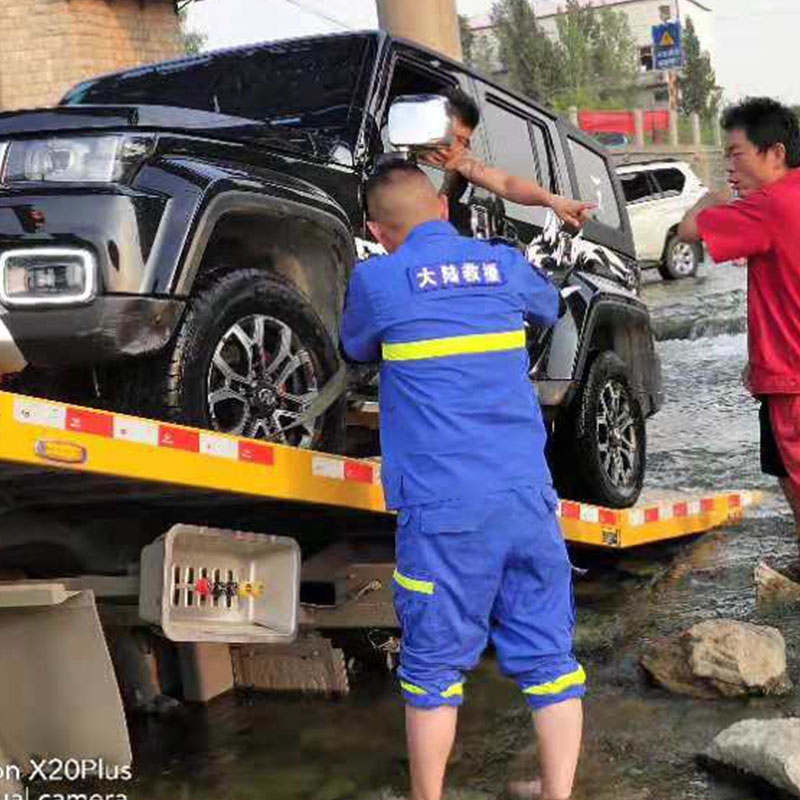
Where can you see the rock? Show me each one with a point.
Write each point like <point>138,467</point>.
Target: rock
<point>739,657</point>
<point>667,661</point>
<point>769,749</point>
<point>772,588</point>
<point>720,657</point>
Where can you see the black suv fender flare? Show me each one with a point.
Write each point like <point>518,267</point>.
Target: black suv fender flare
<point>623,328</point>
<point>319,245</point>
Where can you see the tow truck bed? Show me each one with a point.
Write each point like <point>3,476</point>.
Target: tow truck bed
<point>58,455</point>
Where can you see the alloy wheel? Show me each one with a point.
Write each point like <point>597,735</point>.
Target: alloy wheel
<point>261,380</point>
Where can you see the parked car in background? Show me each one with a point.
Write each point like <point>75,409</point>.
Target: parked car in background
<point>612,140</point>
<point>658,194</point>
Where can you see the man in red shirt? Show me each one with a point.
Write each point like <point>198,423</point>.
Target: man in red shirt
<point>763,225</point>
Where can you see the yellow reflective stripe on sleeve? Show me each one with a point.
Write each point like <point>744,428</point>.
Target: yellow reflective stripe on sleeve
<point>454,346</point>
<point>577,678</point>
<point>456,690</point>
<point>411,689</point>
<point>423,587</point>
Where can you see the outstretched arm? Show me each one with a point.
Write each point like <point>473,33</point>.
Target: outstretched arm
<point>519,190</point>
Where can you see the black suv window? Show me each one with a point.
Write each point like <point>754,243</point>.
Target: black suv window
<point>670,180</point>
<point>308,85</point>
<point>595,184</point>
<point>637,187</point>
<point>512,142</point>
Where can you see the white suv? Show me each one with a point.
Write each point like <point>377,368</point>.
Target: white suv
<point>658,194</point>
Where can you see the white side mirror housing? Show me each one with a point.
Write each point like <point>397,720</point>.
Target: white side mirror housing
<point>419,122</point>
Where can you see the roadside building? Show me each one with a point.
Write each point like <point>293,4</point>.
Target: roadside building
<point>46,46</point>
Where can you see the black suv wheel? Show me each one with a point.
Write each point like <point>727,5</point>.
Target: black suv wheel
<point>603,446</point>
<point>249,357</point>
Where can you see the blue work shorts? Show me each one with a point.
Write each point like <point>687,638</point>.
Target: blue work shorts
<point>480,570</point>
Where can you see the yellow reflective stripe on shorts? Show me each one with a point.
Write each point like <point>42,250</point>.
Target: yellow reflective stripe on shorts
<point>456,690</point>
<point>423,587</point>
<point>454,346</point>
<point>577,678</point>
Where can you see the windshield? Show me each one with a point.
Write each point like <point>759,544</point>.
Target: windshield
<point>307,86</point>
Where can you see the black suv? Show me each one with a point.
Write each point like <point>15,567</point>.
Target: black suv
<point>175,241</point>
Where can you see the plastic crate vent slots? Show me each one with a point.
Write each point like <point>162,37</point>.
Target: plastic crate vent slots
<point>207,585</point>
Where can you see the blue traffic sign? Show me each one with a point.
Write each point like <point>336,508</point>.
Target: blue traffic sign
<point>667,46</point>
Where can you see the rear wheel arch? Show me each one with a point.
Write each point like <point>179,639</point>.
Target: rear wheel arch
<point>623,329</point>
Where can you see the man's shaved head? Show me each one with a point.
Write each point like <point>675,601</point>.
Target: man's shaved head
<point>400,196</point>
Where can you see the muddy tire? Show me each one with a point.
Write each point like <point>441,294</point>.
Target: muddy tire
<point>681,260</point>
<point>249,354</point>
<point>609,436</point>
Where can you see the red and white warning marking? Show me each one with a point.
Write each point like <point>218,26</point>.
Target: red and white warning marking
<point>139,431</point>
<point>344,470</point>
<point>172,437</point>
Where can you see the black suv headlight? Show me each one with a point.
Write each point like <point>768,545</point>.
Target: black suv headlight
<point>109,158</point>
<point>47,276</point>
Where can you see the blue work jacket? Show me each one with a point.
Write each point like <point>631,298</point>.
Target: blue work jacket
<point>445,315</point>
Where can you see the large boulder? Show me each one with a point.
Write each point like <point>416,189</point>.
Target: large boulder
<point>772,588</point>
<point>769,749</point>
<point>720,657</point>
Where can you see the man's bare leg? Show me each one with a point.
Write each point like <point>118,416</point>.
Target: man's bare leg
<point>559,730</point>
<point>430,734</point>
<point>794,503</point>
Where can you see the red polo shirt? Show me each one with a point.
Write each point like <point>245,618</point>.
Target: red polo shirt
<point>765,229</point>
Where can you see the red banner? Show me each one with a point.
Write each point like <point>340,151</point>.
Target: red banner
<point>621,121</point>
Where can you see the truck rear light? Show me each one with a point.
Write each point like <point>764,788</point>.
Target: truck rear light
<point>47,276</point>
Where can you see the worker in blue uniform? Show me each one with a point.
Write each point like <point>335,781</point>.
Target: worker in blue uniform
<point>480,554</point>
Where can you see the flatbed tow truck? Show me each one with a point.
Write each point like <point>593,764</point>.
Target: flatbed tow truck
<point>245,609</point>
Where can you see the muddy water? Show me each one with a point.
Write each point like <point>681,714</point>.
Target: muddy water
<point>641,742</point>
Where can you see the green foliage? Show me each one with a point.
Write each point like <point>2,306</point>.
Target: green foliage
<point>698,84</point>
<point>193,41</point>
<point>467,38</point>
<point>530,57</point>
<point>592,62</point>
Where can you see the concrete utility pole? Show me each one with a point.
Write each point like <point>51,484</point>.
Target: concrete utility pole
<point>433,23</point>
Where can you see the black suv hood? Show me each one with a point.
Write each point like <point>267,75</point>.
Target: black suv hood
<point>87,118</point>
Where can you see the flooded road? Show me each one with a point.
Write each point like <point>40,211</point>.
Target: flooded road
<point>641,742</point>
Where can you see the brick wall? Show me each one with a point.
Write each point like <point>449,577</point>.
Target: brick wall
<point>46,46</point>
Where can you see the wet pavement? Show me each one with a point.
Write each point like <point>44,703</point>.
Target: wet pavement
<point>641,742</point>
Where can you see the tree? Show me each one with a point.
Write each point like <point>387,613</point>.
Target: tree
<point>700,93</point>
<point>597,56</point>
<point>193,41</point>
<point>529,55</point>
<point>591,62</point>
<point>467,38</point>
<point>478,49</point>
<point>615,57</point>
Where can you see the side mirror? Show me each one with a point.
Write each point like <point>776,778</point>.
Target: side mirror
<point>419,122</point>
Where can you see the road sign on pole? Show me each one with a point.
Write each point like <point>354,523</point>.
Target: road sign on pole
<point>668,46</point>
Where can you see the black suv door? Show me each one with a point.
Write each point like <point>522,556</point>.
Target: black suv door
<point>412,72</point>
<point>522,142</point>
